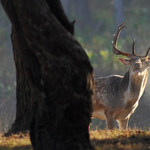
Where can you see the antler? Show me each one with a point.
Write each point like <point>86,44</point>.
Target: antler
<point>147,52</point>
<point>114,43</point>
<point>133,48</point>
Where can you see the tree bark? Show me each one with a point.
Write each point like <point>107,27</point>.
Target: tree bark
<point>54,73</point>
<point>23,58</point>
<point>23,111</point>
<point>119,13</point>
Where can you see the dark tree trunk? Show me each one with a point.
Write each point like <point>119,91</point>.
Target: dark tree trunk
<point>24,58</point>
<point>54,76</point>
<point>24,111</point>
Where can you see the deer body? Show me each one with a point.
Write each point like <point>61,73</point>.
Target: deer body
<point>116,97</point>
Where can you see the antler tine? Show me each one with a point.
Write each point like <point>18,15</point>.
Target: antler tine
<point>147,52</point>
<point>133,48</point>
<point>120,27</point>
<point>115,39</point>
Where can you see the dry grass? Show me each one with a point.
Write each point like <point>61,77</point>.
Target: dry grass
<point>101,140</point>
<point>15,142</point>
<point>120,140</point>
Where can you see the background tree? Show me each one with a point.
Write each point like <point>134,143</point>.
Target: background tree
<point>119,12</point>
<point>58,74</point>
<point>66,5</point>
<point>80,10</point>
<point>83,13</point>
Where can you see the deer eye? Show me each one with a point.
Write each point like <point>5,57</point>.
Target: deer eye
<point>143,60</point>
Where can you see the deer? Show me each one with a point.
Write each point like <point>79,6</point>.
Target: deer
<point>116,97</point>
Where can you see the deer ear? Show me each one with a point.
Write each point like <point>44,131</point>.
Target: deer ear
<point>124,61</point>
<point>148,62</point>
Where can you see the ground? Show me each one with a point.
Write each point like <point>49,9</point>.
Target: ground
<point>120,140</point>
<point>101,139</point>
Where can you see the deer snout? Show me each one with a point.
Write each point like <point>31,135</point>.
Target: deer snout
<point>138,65</point>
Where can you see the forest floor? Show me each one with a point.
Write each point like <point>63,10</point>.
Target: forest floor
<point>15,142</point>
<point>121,140</point>
<point>134,139</point>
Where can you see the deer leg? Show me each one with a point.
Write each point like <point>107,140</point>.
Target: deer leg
<point>123,124</point>
<point>110,122</point>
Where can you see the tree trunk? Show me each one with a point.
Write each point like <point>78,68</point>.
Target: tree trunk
<point>54,73</point>
<point>24,111</point>
<point>82,13</point>
<point>24,103</point>
<point>119,13</point>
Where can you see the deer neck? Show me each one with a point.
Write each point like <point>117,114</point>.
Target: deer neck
<point>134,85</point>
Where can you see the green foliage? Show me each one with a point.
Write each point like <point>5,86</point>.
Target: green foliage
<point>99,50</point>
<point>98,43</point>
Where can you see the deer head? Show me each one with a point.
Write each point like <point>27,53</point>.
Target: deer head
<point>138,64</point>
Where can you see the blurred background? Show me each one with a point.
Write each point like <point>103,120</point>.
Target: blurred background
<point>96,22</point>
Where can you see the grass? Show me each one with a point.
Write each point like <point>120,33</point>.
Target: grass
<point>120,140</point>
<point>134,139</point>
<point>15,142</point>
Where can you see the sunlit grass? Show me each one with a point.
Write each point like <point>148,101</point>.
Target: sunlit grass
<point>116,139</point>
<point>100,139</point>
<point>15,142</point>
